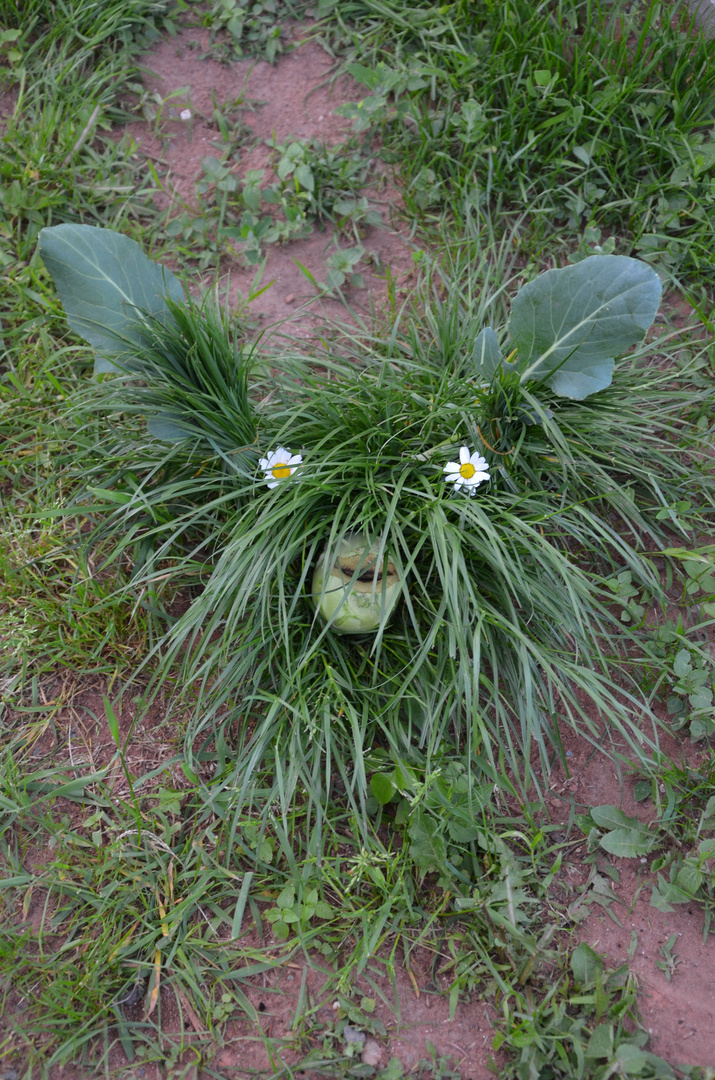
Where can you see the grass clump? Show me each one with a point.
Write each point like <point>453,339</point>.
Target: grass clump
<point>586,113</point>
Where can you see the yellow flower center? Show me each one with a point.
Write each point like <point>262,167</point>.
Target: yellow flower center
<point>281,471</point>
<point>467,470</point>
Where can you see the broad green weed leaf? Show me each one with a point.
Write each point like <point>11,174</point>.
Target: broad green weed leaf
<point>681,664</point>
<point>585,964</point>
<point>393,1071</point>
<point>104,366</point>
<point>367,76</point>
<point>667,893</point>
<point>631,1060</point>
<point>106,283</point>
<point>286,898</point>
<point>689,879</point>
<point>382,787</point>
<point>463,832</point>
<point>627,843</point>
<point>427,847</point>
<point>304,176</point>
<point>600,1045</point>
<point>610,817</point>
<point>264,850</point>
<point>569,324</point>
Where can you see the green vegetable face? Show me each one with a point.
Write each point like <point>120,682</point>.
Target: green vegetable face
<point>359,586</point>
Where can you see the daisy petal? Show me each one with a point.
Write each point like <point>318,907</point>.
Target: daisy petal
<point>464,454</point>
<point>451,466</point>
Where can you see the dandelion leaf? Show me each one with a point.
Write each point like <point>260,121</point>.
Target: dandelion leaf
<point>568,325</point>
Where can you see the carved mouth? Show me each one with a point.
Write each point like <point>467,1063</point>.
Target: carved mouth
<point>371,574</point>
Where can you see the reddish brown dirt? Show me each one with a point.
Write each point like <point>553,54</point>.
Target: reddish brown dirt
<point>74,735</point>
<point>296,98</point>
<point>412,1016</point>
<point>680,1013</point>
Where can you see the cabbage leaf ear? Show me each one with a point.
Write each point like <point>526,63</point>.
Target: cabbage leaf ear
<point>107,286</point>
<point>568,325</point>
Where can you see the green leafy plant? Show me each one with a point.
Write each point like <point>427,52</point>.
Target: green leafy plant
<point>691,700</point>
<point>341,268</point>
<point>691,879</point>
<point>687,670</point>
<point>678,840</point>
<point>247,27</point>
<point>321,179</point>
<point>586,1028</point>
<point>617,833</point>
<point>289,911</point>
<point>109,286</point>
<point>389,86</point>
<point>315,183</point>
<point>670,960</point>
<point>566,324</point>
<point>685,804</point>
<point>8,38</point>
<point>699,570</point>
<point>634,602</point>
<point>520,142</point>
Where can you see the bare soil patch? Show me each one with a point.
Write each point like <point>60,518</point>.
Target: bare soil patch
<point>294,99</point>
<point>677,1012</point>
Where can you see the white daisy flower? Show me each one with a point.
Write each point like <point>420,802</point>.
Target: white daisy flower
<point>279,466</point>
<point>468,472</point>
